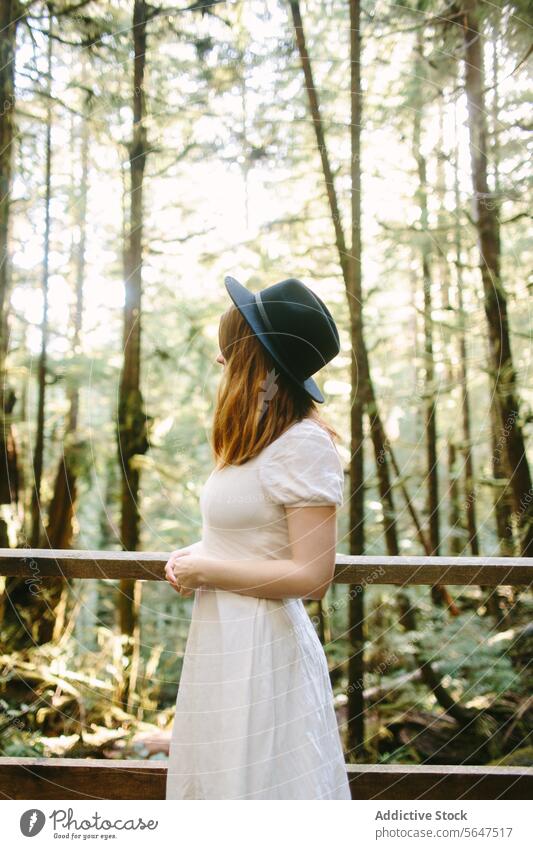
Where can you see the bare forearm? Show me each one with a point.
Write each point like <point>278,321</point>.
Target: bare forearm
<point>276,579</point>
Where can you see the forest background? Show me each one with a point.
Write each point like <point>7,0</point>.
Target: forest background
<point>380,153</point>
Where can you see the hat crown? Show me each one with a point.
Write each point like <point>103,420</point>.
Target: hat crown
<point>300,325</point>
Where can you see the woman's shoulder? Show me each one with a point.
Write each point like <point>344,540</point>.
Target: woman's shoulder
<point>302,465</point>
<point>307,429</point>
<point>306,438</point>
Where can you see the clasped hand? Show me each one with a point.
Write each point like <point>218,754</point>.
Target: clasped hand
<point>183,571</point>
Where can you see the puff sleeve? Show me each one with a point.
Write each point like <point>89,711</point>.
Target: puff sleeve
<point>303,468</point>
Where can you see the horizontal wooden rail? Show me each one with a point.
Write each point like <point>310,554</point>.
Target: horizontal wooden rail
<point>62,778</point>
<point>148,566</point>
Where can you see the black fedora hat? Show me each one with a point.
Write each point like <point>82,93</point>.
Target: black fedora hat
<point>293,324</point>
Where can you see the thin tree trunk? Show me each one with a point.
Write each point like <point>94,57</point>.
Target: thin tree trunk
<point>438,593</point>
<point>60,528</point>
<point>432,468</point>
<point>487,223</point>
<point>74,394</point>
<point>356,663</point>
<point>456,530</point>
<point>467,447</point>
<point>38,454</point>
<point>30,602</point>
<point>132,425</point>
<point>503,508</point>
<point>468,460</point>
<point>9,477</point>
<point>60,520</point>
<point>430,413</point>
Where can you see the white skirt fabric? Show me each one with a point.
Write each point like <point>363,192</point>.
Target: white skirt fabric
<point>254,711</point>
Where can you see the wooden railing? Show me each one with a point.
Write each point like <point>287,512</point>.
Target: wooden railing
<point>64,778</point>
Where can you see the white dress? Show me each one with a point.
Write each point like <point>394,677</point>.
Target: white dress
<point>254,711</point>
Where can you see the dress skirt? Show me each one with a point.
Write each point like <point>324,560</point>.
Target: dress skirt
<point>254,712</point>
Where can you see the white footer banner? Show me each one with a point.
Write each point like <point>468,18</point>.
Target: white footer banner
<point>257,824</point>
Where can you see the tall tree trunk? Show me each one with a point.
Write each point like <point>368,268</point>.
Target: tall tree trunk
<point>356,663</point>
<point>9,477</point>
<point>132,423</point>
<point>360,373</point>
<point>503,501</point>
<point>30,601</point>
<point>456,531</point>
<point>467,447</point>
<point>361,383</point>
<point>60,528</point>
<point>487,223</point>
<point>438,593</point>
<point>430,412</point>
<point>60,518</point>
<point>36,535</point>
<point>352,282</point>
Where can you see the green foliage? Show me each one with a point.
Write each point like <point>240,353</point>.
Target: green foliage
<point>471,654</point>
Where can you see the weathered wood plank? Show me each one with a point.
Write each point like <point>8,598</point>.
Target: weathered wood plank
<point>80,778</point>
<point>398,781</point>
<point>35,564</point>
<point>488,571</point>
<point>61,778</point>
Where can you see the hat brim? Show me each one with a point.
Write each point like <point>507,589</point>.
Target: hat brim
<point>245,303</point>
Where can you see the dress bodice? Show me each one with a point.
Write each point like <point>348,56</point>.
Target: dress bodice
<point>242,506</point>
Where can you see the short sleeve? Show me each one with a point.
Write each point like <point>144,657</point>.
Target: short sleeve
<point>303,468</point>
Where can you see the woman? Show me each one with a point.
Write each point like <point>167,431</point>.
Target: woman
<point>254,712</point>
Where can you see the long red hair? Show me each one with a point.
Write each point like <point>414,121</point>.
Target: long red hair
<point>255,401</point>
